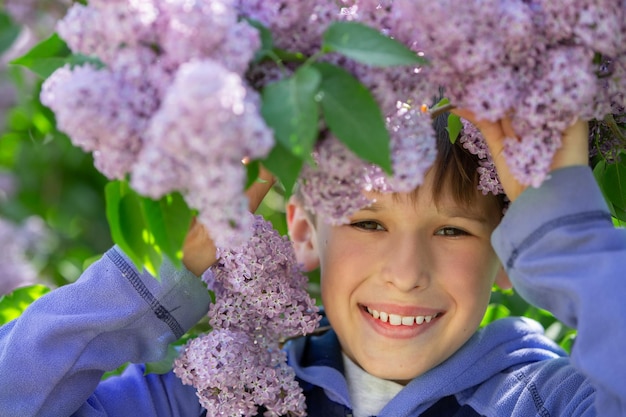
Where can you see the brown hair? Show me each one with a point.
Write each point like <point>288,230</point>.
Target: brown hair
<point>455,168</point>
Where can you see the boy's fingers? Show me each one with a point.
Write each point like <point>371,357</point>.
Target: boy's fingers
<point>259,189</point>
<point>465,114</point>
<point>575,147</point>
<point>494,134</point>
<point>199,249</point>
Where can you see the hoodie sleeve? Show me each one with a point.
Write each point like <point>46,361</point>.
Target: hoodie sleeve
<point>53,356</point>
<point>562,253</point>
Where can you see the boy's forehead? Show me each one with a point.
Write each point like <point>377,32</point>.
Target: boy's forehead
<point>483,208</point>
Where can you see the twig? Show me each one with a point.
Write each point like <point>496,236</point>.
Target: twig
<point>437,111</point>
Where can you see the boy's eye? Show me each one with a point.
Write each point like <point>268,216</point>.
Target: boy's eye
<point>367,225</point>
<point>451,231</point>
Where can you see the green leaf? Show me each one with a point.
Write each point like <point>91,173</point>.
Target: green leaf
<point>353,115</point>
<point>454,127</point>
<point>443,102</point>
<point>51,54</point>
<point>612,181</point>
<point>567,342</point>
<point>289,107</point>
<point>127,225</point>
<point>45,57</point>
<point>9,31</point>
<point>147,229</point>
<point>136,233</point>
<point>367,45</point>
<point>168,221</point>
<point>12,305</point>
<point>267,40</point>
<point>252,173</point>
<point>114,191</point>
<point>494,312</point>
<point>284,165</point>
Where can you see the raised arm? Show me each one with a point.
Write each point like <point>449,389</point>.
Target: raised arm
<point>52,357</point>
<point>562,253</point>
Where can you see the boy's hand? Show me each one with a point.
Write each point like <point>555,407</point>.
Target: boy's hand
<point>198,248</point>
<point>574,149</point>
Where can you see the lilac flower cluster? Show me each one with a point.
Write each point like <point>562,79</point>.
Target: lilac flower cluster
<point>171,107</point>
<point>261,297</point>
<point>474,142</point>
<point>537,59</point>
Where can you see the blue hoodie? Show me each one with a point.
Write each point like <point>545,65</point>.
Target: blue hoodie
<point>565,257</point>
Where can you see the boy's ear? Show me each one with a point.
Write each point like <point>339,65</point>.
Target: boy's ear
<point>302,234</point>
<point>502,279</point>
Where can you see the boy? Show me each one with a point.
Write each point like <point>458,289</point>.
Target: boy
<point>404,285</point>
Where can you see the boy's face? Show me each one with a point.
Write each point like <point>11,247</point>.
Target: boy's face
<point>409,261</point>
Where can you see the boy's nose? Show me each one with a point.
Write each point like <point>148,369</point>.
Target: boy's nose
<point>408,264</point>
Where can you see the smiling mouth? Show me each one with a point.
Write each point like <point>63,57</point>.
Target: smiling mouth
<point>397,320</point>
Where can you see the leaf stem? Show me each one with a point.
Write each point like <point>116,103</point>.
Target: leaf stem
<point>437,111</point>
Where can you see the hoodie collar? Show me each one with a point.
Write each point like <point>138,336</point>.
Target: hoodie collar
<point>503,344</point>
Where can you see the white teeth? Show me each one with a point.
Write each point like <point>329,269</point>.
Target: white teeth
<point>408,320</point>
<point>384,316</point>
<point>397,320</point>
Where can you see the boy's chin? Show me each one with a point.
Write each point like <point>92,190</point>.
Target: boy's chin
<point>400,376</point>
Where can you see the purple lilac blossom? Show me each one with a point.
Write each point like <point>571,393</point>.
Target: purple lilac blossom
<point>90,107</point>
<point>333,188</point>
<point>261,297</point>
<point>497,56</point>
<point>124,112</point>
<point>203,154</point>
<point>472,140</point>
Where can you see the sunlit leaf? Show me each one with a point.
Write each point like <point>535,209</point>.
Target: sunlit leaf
<point>353,115</point>
<point>289,107</point>
<point>12,305</point>
<point>367,45</point>
<point>51,54</point>
<point>454,127</point>
<point>494,312</point>
<point>137,233</point>
<point>168,221</point>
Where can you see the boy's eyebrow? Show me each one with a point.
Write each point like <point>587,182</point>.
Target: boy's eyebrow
<point>465,213</point>
<point>373,207</point>
<point>450,211</point>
